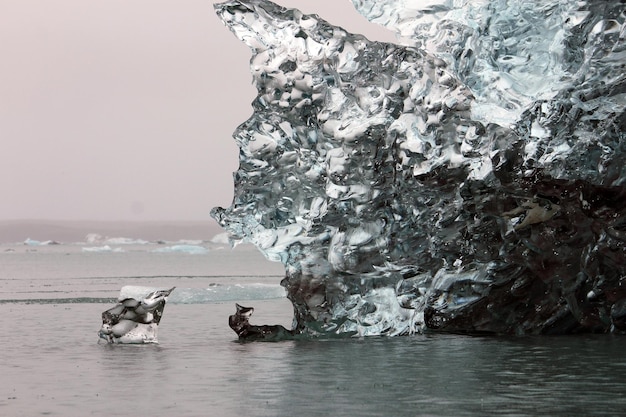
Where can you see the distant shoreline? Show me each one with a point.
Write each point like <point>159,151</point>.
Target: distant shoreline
<point>12,231</point>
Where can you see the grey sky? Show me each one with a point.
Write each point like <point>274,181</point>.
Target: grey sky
<point>124,109</point>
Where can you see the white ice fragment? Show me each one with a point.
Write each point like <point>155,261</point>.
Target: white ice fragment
<point>189,249</point>
<point>221,238</point>
<point>104,248</point>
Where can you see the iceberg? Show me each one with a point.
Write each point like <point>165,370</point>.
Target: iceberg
<point>470,180</point>
<point>134,320</point>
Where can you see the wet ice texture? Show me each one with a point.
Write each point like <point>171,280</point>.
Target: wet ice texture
<point>473,182</point>
<point>134,320</point>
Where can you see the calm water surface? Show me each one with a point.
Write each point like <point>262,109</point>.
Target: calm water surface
<point>51,363</point>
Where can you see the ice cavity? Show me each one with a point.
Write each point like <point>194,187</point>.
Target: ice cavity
<point>471,182</point>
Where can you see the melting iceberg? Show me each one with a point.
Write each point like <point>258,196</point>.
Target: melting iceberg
<point>472,181</point>
<point>134,320</point>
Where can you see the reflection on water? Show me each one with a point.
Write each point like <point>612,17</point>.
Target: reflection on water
<point>440,375</point>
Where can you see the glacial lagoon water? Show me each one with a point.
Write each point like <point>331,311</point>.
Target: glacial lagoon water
<point>52,296</point>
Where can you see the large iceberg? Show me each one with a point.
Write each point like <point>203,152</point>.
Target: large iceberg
<point>472,180</point>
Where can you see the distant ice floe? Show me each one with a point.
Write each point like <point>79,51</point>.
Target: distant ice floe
<point>178,248</point>
<point>190,249</point>
<point>97,238</point>
<point>105,248</point>
<point>214,293</point>
<point>125,241</point>
<point>189,242</point>
<point>33,242</point>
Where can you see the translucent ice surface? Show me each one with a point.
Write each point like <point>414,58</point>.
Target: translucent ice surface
<point>470,180</point>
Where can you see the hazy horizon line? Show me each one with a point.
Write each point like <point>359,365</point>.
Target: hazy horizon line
<point>77,230</point>
<point>61,220</point>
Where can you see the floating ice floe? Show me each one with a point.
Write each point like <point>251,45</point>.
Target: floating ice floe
<point>125,241</point>
<point>190,249</point>
<point>105,248</point>
<point>98,238</point>
<point>134,320</point>
<point>33,242</point>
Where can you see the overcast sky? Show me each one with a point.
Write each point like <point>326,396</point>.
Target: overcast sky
<point>124,109</point>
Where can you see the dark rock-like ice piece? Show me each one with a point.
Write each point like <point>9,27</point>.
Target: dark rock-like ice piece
<point>408,188</point>
<point>240,323</point>
<point>134,321</point>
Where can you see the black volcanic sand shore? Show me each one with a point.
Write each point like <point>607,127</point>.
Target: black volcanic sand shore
<point>12,231</point>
